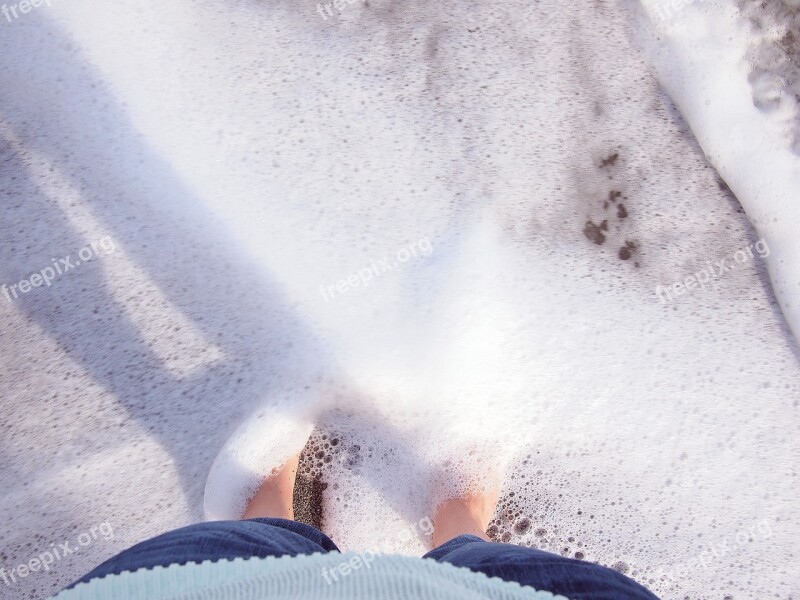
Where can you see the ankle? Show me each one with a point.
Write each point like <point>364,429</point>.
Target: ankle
<point>270,501</point>
<point>275,496</point>
<point>461,516</point>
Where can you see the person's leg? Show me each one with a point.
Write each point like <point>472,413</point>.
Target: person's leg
<point>267,531</point>
<point>468,515</point>
<point>218,540</point>
<point>274,497</point>
<point>460,538</point>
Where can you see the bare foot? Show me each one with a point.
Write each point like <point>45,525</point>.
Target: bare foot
<point>469,514</point>
<point>274,497</point>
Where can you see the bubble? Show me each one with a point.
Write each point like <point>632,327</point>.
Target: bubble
<point>522,526</point>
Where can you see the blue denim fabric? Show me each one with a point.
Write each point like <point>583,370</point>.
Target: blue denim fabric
<point>575,579</point>
<point>217,540</point>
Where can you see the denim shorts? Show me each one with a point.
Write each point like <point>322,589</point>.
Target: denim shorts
<point>216,540</point>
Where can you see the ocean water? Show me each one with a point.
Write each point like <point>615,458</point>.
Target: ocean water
<point>549,244</point>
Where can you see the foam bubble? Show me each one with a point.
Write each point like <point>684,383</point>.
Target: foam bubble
<point>283,157</point>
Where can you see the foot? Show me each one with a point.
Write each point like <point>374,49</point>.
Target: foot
<point>274,497</point>
<point>469,514</point>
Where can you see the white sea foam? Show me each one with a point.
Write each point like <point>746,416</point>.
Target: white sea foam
<point>745,117</point>
<point>242,158</point>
